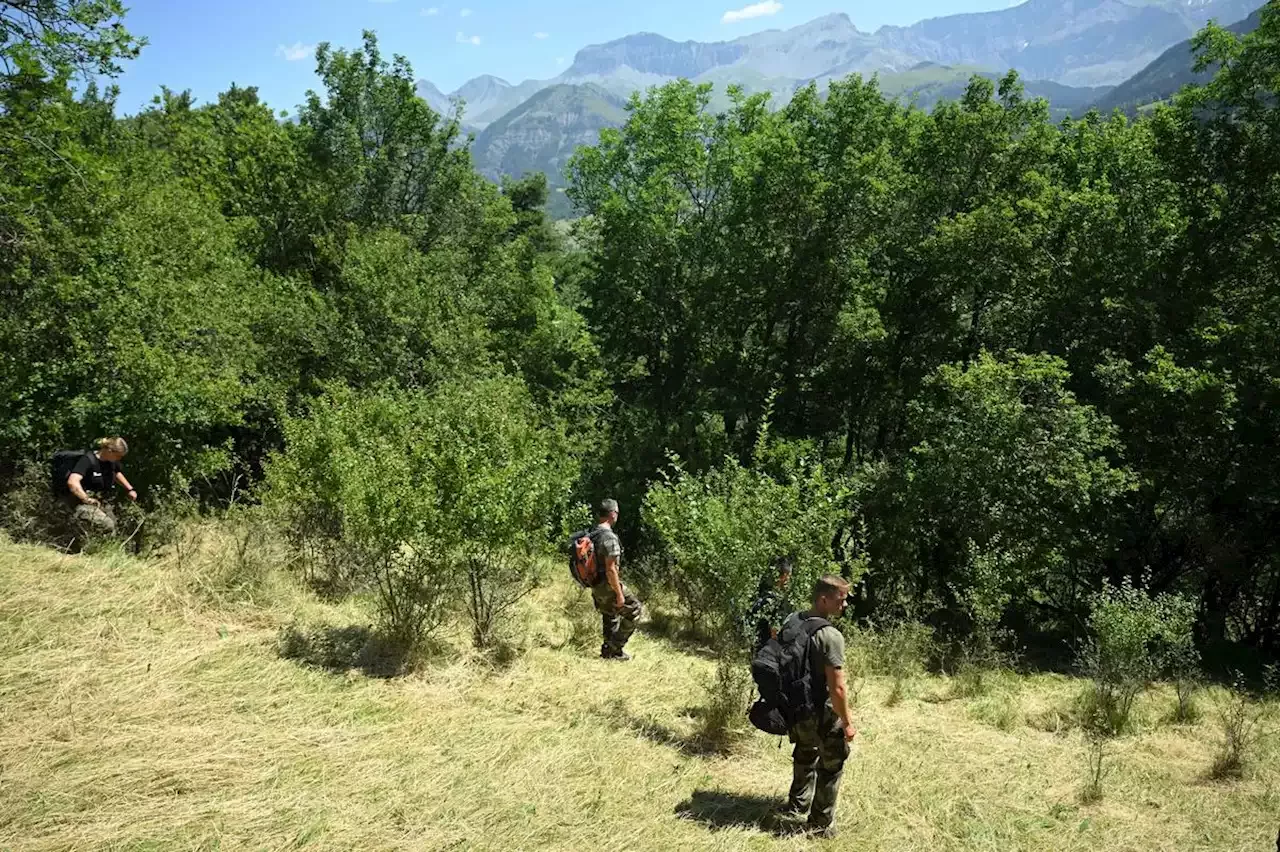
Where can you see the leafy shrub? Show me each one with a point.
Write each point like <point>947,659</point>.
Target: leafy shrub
<point>404,493</point>
<point>723,528</point>
<point>352,491</point>
<point>1130,637</point>
<point>498,476</point>
<point>1005,468</point>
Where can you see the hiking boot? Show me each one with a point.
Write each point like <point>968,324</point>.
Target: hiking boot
<point>823,832</point>
<point>607,654</point>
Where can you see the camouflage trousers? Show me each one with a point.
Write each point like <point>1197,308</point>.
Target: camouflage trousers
<point>84,523</point>
<point>617,622</point>
<point>817,763</point>
<point>95,520</point>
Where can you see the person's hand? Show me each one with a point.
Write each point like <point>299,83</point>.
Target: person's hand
<point>849,733</point>
<point>133,494</point>
<point>91,501</point>
<point>620,602</point>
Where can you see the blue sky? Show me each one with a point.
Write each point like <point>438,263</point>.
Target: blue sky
<point>204,46</point>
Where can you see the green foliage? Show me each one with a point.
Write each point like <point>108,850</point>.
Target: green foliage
<point>63,36</point>
<point>723,530</point>
<point>434,501</point>
<point>380,157</point>
<point>498,475</point>
<point>1132,638</point>
<point>1000,360</point>
<point>352,496</point>
<point>1007,467</point>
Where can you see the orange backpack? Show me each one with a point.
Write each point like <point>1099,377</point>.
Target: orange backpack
<point>583,566</point>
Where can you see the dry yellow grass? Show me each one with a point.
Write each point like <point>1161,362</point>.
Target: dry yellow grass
<point>138,714</point>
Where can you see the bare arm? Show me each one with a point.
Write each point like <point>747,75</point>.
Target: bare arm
<point>840,700</point>
<point>124,483</point>
<point>73,484</point>
<point>611,574</point>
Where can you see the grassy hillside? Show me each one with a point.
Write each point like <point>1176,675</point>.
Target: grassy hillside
<point>146,707</point>
<point>544,131</point>
<point>1166,76</point>
<point>929,83</point>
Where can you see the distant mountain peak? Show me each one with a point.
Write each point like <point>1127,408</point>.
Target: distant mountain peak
<point>477,86</point>
<point>833,21</point>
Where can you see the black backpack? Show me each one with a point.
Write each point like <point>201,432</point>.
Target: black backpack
<point>784,677</point>
<point>60,467</point>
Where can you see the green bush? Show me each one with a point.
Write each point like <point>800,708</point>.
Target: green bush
<point>723,529</point>
<point>1132,637</point>
<point>429,500</point>
<point>498,476</point>
<point>353,492</point>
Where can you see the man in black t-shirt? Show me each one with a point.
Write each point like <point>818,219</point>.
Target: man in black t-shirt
<point>96,472</point>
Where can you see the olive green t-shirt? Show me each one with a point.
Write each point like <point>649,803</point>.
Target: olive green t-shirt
<point>826,649</point>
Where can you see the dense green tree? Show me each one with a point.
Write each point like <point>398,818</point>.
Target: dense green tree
<point>62,36</point>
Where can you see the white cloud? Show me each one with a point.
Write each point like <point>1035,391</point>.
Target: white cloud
<point>755,10</point>
<point>296,51</point>
<point>560,60</point>
<point>541,35</point>
<point>466,39</point>
<point>430,13</point>
<point>465,13</point>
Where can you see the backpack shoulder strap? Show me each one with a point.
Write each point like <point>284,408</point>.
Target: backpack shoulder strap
<point>809,629</point>
<point>813,624</point>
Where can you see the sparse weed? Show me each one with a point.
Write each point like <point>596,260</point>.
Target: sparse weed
<point>1096,742</point>
<point>729,694</point>
<point>898,650</point>
<point>999,706</point>
<point>1244,726</point>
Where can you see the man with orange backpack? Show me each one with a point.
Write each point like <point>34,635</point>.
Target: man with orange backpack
<point>594,561</point>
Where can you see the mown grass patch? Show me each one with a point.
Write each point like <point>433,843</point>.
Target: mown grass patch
<point>141,712</point>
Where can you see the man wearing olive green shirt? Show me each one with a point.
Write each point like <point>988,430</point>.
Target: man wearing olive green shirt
<point>822,740</point>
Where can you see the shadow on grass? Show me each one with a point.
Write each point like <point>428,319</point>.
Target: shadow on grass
<point>662,624</point>
<point>700,743</point>
<point>339,649</point>
<point>719,810</point>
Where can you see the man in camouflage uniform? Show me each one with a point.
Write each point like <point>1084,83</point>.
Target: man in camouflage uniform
<point>822,741</point>
<point>619,609</point>
<point>770,608</point>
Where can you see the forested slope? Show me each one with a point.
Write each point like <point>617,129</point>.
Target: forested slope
<point>984,364</point>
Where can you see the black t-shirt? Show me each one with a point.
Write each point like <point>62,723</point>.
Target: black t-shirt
<point>98,474</point>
